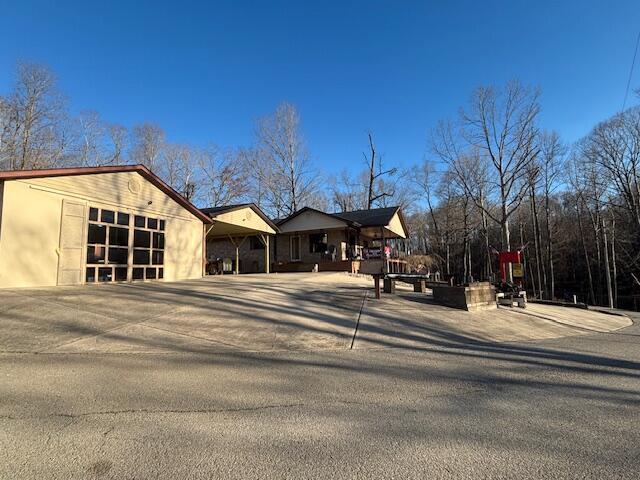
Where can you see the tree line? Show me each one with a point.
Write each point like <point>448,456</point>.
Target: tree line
<point>276,171</point>
<point>494,180</point>
<point>491,180</point>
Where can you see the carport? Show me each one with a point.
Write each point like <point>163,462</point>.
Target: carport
<point>236,224</point>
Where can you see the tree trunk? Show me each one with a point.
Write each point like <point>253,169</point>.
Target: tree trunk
<point>506,243</point>
<point>586,256</point>
<point>606,265</point>
<point>552,282</point>
<point>613,262</point>
<point>528,276</point>
<point>448,255</point>
<point>536,241</point>
<point>485,231</point>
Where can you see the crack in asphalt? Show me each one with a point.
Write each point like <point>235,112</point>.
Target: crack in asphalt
<point>75,416</point>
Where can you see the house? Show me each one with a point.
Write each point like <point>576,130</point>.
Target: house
<point>337,241</point>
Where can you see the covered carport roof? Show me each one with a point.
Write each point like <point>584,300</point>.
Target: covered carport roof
<point>238,220</point>
<point>390,219</point>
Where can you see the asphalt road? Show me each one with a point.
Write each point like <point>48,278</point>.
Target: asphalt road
<point>456,408</point>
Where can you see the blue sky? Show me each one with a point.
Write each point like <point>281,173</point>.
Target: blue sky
<point>205,71</point>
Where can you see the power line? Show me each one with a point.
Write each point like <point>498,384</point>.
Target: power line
<point>635,54</point>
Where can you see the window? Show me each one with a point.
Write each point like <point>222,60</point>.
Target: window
<point>141,238</point>
<point>121,274</point>
<point>108,216</point>
<point>105,274</point>
<point>318,243</point>
<point>95,254</point>
<point>118,255</point>
<point>255,243</point>
<point>157,257</point>
<point>140,257</point>
<point>295,248</point>
<point>123,218</point>
<point>158,240</point>
<point>97,234</point>
<point>148,249</point>
<point>107,247</point>
<point>118,236</point>
<point>113,253</point>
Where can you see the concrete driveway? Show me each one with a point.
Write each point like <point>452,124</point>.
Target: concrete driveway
<point>261,313</point>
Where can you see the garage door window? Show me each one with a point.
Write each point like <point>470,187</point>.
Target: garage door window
<point>119,243</point>
<point>148,248</point>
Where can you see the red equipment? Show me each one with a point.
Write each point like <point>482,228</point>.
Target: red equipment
<point>505,258</point>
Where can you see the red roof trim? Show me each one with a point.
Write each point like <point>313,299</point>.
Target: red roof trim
<point>141,169</point>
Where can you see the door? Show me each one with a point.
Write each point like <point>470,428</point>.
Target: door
<point>295,248</point>
<point>72,227</point>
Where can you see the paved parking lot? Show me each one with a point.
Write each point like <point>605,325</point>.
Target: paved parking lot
<point>260,313</point>
<point>255,377</point>
<point>215,314</point>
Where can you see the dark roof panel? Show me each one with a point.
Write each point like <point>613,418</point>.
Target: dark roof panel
<point>223,208</point>
<point>377,217</point>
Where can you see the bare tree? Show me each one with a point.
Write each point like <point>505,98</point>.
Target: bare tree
<point>348,192</point>
<point>614,146</point>
<point>116,143</point>
<point>147,142</point>
<point>286,169</point>
<point>501,125</point>
<point>377,189</point>
<point>33,121</point>
<point>91,136</point>
<point>178,168</point>
<point>224,175</point>
<point>426,179</point>
<point>550,163</point>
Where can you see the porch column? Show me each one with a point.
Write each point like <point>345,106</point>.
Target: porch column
<point>237,245</point>
<point>237,260</point>
<point>264,237</point>
<point>382,255</point>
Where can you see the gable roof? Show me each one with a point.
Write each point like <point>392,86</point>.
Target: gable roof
<point>314,210</point>
<point>213,211</point>
<point>140,169</point>
<point>376,217</point>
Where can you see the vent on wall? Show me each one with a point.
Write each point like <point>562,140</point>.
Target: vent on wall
<point>134,186</point>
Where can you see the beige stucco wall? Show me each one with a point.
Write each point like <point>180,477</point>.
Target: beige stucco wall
<point>31,212</point>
